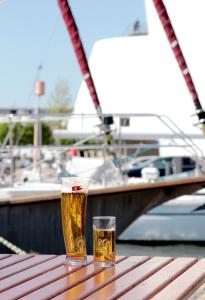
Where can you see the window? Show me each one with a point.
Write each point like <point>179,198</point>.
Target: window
<point>187,161</point>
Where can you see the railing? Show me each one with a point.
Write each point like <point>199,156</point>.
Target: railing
<point>174,134</point>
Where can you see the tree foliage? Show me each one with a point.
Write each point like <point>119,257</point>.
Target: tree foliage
<point>60,98</point>
<point>67,141</point>
<point>47,137</point>
<point>3,131</point>
<point>27,134</point>
<point>23,134</point>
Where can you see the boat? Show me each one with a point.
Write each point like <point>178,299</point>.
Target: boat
<point>139,78</point>
<point>135,54</point>
<point>21,217</point>
<point>180,220</point>
<point>34,203</point>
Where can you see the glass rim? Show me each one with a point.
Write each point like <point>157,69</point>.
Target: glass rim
<point>104,217</point>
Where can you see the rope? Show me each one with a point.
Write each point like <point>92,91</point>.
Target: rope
<point>11,246</point>
<point>37,74</point>
<point>41,63</point>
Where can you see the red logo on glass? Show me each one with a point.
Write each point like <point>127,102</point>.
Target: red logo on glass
<point>76,188</point>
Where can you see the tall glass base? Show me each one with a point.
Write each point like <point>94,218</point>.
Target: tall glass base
<point>75,261</point>
<point>104,264</point>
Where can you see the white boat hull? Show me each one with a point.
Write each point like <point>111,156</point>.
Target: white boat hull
<point>29,189</point>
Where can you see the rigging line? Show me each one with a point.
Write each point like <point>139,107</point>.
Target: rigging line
<point>42,59</point>
<point>38,71</point>
<point>67,148</point>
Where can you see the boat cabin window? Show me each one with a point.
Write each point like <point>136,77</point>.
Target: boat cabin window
<point>188,161</point>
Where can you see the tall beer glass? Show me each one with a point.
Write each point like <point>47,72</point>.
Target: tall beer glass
<point>73,210</point>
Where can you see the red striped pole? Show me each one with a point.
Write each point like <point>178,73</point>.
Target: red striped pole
<point>80,53</point>
<point>174,43</point>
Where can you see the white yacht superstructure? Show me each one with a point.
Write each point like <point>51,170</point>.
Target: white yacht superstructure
<point>139,74</point>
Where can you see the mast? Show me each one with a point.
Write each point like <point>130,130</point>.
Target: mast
<point>39,91</point>
<point>80,53</point>
<point>106,121</point>
<point>174,43</point>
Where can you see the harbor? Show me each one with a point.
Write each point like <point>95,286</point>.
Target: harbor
<point>130,146</point>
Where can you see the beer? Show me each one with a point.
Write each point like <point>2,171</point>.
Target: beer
<point>73,209</point>
<point>104,240</point>
<point>104,245</point>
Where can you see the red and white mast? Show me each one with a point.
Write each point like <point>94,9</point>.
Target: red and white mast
<point>174,43</point>
<point>80,53</point>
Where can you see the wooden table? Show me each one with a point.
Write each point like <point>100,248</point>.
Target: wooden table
<point>137,277</point>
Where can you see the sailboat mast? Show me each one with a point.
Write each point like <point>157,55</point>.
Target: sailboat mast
<point>174,43</point>
<point>80,53</point>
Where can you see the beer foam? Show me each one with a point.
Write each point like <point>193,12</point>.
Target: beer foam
<point>75,185</point>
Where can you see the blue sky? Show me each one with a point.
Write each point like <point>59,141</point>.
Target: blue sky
<point>33,31</point>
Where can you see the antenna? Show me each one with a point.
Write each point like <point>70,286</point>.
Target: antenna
<point>136,27</point>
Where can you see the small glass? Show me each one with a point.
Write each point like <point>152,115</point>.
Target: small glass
<point>104,232</point>
<point>74,194</point>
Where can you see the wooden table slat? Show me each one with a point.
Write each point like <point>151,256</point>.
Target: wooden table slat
<point>38,282</point>
<point>98,281</point>
<point>61,285</point>
<point>3,256</point>
<point>23,265</point>
<point>148,288</point>
<point>14,259</point>
<point>131,279</point>
<point>16,279</point>
<point>183,286</point>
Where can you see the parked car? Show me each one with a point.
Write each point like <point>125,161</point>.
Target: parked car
<point>166,165</point>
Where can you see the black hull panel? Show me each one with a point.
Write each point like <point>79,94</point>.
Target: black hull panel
<point>34,224</point>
